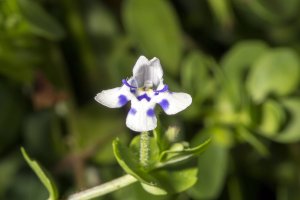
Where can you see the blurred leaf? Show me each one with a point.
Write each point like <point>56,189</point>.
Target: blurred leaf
<point>18,59</point>
<point>41,129</point>
<point>195,76</point>
<point>223,12</point>
<point>197,80</point>
<point>274,12</point>
<point>8,169</point>
<point>39,21</point>
<point>9,70</point>
<point>290,132</point>
<point>212,166</point>
<point>241,56</point>
<point>153,26</point>
<point>53,195</point>
<point>26,187</point>
<point>273,118</point>
<point>100,21</point>
<point>12,112</point>
<point>120,61</point>
<point>249,137</point>
<point>96,133</point>
<point>275,72</point>
<point>236,62</point>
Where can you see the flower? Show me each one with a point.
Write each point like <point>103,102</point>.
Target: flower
<point>144,89</point>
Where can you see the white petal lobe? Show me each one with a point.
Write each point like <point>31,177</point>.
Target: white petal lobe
<point>141,116</point>
<point>156,71</point>
<point>174,102</point>
<point>139,70</point>
<point>114,98</point>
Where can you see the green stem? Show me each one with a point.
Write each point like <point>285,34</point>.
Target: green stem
<point>104,188</point>
<point>144,149</point>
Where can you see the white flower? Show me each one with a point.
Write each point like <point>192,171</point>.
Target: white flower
<point>144,89</point>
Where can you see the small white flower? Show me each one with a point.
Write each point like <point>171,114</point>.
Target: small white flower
<point>144,89</point>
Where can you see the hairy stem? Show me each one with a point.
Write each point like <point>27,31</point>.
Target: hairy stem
<point>104,188</point>
<point>144,149</point>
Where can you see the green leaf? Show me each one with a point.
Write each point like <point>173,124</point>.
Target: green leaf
<point>179,153</point>
<point>291,132</point>
<point>129,162</point>
<point>212,166</point>
<point>158,180</point>
<point>154,28</point>
<point>39,21</point>
<point>53,195</point>
<point>276,72</point>
<point>173,179</point>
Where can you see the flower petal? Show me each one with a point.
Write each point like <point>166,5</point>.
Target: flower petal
<point>149,72</point>
<point>173,102</point>
<point>114,98</point>
<point>139,70</point>
<point>141,116</point>
<point>155,73</point>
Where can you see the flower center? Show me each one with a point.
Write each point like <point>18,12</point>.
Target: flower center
<point>145,92</point>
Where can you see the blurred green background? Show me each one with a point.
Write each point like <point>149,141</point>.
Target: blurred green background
<point>239,59</point>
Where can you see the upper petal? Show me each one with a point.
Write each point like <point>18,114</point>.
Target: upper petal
<point>114,98</point>
<point>145,71</point>
<point>173,102</point>
<point>155,72</point>
<point>141,116</point>
<point>139,70</point>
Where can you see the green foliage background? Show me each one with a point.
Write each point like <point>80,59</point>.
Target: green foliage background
<point>238,59</point>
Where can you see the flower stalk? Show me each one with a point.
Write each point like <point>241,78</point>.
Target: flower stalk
<point>144,149</point>
<point>103,189</point>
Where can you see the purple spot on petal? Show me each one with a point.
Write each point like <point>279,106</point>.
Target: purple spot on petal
<point>132,111</point>
<point>132,90</point>
<point>144,96</point>
<point>150,112</point>
<point>164,104</point>
<point>122,100</point>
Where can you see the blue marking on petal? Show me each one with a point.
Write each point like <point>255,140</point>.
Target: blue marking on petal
<point>164,104</point>
<point>150,112</point>
<point>165,89</point>
<point>132,111</point>
<point>144,96</point>
<point>122,100</point>
<point>124,81</point>
<point>132,90</point>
